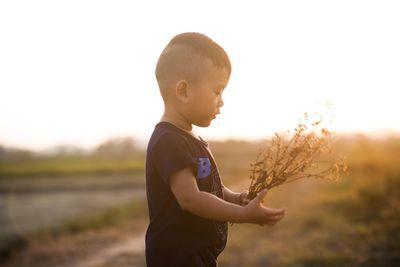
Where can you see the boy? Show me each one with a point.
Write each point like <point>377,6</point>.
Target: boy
<point>188,204</point>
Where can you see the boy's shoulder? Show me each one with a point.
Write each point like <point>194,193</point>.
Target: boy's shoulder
<point>166,134</point>
<point>166,130</point>
<point>167,137</point>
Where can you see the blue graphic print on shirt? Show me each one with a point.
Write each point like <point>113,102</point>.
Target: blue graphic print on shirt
<point>203,168</point>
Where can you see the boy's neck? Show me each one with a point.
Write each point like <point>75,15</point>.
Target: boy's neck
<point>179,122</point>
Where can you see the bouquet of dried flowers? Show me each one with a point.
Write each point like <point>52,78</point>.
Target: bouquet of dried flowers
<point>307,153</point>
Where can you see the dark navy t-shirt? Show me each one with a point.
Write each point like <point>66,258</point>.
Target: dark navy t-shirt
<point>176,237</point>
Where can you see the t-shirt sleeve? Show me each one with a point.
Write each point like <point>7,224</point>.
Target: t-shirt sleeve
<point>171,154</point>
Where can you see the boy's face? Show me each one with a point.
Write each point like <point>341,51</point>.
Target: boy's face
<point>206,96</point>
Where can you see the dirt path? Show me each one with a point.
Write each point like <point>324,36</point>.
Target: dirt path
<point>120,246</point>
<point>126,253</point>
<point>129,253</point>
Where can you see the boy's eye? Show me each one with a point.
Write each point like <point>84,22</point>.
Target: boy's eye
<point>218,92</point>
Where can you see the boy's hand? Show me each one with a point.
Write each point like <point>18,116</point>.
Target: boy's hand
<point>258,213</point>
<point>184,187</point>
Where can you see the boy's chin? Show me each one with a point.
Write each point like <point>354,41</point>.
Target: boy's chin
<point>203,124</point>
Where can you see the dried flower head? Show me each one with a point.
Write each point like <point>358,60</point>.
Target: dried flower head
<point>307,153</point>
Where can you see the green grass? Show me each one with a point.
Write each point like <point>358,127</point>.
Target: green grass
<point>325,226</point>
<point>112,217</point>
<point>56,167</point>
<point>352,222</point>
<point>128,217</point>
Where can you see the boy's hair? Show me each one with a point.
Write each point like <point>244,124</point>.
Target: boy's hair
<point>185,57</point>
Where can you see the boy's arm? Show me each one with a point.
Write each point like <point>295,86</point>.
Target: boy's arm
<point>190,198</point>
<point>233,197</point>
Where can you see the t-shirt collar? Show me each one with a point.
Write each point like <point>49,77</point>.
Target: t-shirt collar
<point>169,125</point>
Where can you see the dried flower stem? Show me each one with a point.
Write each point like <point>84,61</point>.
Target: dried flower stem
<point>287,160</point>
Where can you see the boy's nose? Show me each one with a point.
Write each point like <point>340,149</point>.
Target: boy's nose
<point>220,102</point>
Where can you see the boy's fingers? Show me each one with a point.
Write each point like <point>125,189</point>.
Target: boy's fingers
<point>272,221</point>
<point>273,212</point>
<point>276,218</point>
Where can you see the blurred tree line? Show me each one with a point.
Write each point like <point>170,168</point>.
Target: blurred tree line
<point>113,148</point>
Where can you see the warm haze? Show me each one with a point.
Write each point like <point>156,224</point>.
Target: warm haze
<point>79,72</point>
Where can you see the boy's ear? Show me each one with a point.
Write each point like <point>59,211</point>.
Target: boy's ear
<point>182,91</point>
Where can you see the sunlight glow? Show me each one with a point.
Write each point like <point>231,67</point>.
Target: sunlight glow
<point>78,72</point>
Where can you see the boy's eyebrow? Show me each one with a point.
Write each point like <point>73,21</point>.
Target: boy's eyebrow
<point>221,86</point>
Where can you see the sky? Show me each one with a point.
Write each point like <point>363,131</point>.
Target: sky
<point>80,72</point>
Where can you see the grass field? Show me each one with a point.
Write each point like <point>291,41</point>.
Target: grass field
<point>70,166</point>
<point>56,206</point>
<point>352,222</point>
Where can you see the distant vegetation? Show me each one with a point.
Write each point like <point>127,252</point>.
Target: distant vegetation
<point>117,155</point>
<point>110,217</point>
